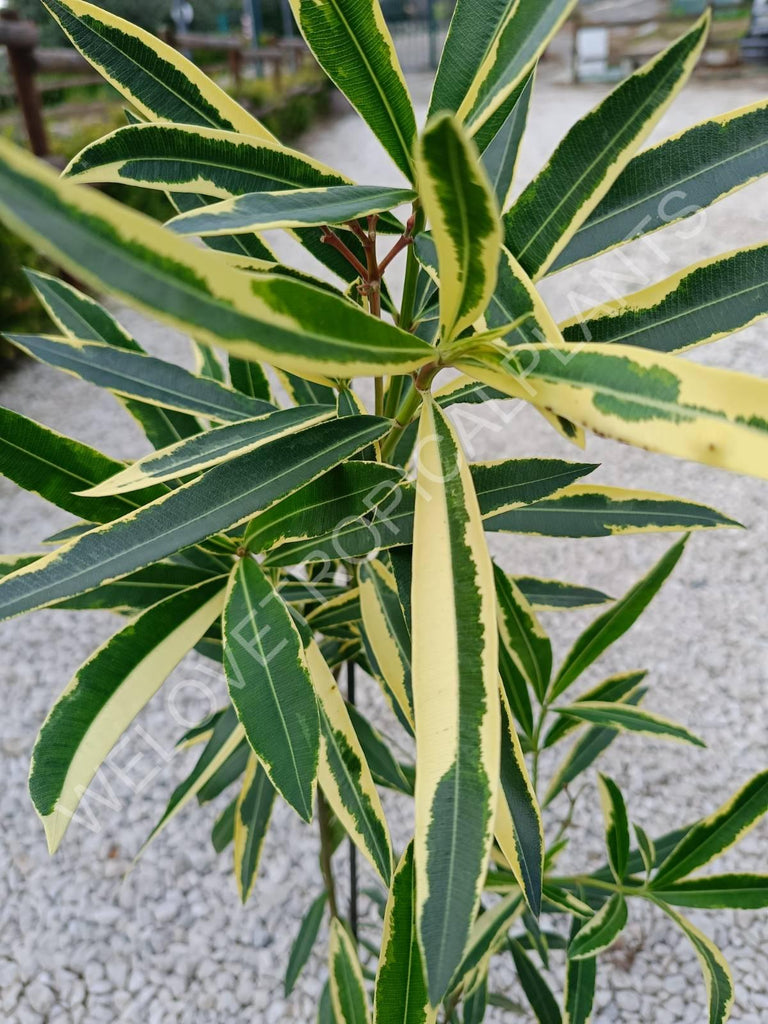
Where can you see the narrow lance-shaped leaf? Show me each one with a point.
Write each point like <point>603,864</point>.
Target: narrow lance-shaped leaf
<point>632,719</point>
<point>456,700</point>
<point>57,468</point>
<point>79,316</point>
<point>594,510</point>
<point>555,595</point>
<point>161,84</point>
<point>196,163</point>
<point>299,327</point>
<point>249,377</point>
<point>387,631</point>
<point>717,892</point>
<point>537,991</point>
<point>353,45</point>
<point>465,223</point>
<point>343,772</point>
<point>612,689</point>
<point>348,995</point>
<point>488,934</point>
<point>717,975</point>
<point>258,211</point>
<point>500,155</point>
<point>616,621</point>
<point>600,931</point>
<point>401,990</point>
<point>696,306</point>
<point>211,448</point>
<point>519,828</point>
<point>675,179</point>
<point>106,694</point>
<point>221,498</point>
<point>269,684</point>
<point>717,833</point>
<point>522,635</point>
<point>252,813</point>
<point>616,825</point>
<point>580,980</point>
<point>581,171</point>
<point>304,941</point>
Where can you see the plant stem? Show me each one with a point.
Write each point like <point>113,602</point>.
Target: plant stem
<point>324,821</point>
<point>405,320</point>
<point>378,384</point>
<point>332,239</point>
<point>404,416</point>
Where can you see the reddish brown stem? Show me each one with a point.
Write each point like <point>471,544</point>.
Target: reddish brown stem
<point>332,239</point>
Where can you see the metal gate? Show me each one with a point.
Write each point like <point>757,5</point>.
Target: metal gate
<point>418,29</point>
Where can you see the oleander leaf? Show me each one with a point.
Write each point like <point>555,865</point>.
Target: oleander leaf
<point>385,769</point>
<point>519,828</point>
<point>554,595</point>
<point>616,621</point>
<point>580,978</point>
<point>269,685</point>
<point>516,301</point>
<point>252,813</point>
<point>499,157</point>
<point>348,994</point>
<point>221,498</point>
<point>490,49</point>
<point>621,717</point>
<point>594,152</point>
<point>316,510</point>
<point>304,941</point>
<point>223,831</point>
<point>205,162</point>
<point>537,991</point>
<point>353,45</point>
<point>717,975</point>
<point>717,892</point>
<point>338,613</point>
<point>227,738</point>
<point>401,989</point>
<point>386,630</point>
<point>717,833</point>
<point>153,76</point>
<point>675,179</point>
<point>456,699</point>
<point>600,931</point>
<point>650,399</point>
<point>105,696</point>
<point>343,772</point>
<point>595,510</point>
<point>696,306</point>
<point>258,211</point>
<point>488,934</point>
<point>616,825</point>
<point>465,223</point>
<point>58,467</point>
<point>249,377</point>
<point>614,688</point>
<point>522,635</point>
<point>299,327</point>
<point>587,748</point>
<point>212,448</point>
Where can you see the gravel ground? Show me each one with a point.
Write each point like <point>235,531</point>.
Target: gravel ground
<point>83,939</point>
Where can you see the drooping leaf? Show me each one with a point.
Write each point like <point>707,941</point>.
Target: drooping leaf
<point>714,835</point>
<point>252,813</point>
<point>522,635</point>
<point>227,495</point>
<point>554,595</point>
<point>386,630</point>
<point>500,155</point>
<point>106,694</point>
<point>299,327</point>
<point>161,84</point>
<point>456,699</point>
<point>696,306</point>
<point>353,45</point>
<point>621,717</point>
<point>675,179</point>
<point>465,223</point>
<point>717,975</point>
<point>717,892</point>
<point>343,772</point>
<point>612,689</point>
<point>488,934</point>
<point>304,941</point>
<point>211,448</point>
<point>616,621</point>
<point>593,154</point>
<point>270,686</point>
<point>537,991</point>
<point>401,989</point>
<point>580,977</point>
<point>348,995</point>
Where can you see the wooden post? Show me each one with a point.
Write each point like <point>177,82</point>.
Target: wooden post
<point>236,68</point>
<point>21,40</point>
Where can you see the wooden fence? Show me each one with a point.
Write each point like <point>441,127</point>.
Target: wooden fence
<point>27,61</point>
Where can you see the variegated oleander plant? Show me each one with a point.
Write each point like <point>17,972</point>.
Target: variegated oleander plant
<point>285,541</point>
